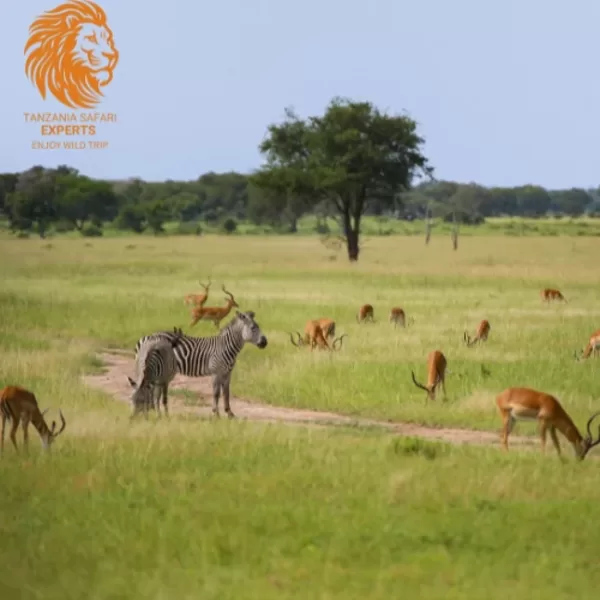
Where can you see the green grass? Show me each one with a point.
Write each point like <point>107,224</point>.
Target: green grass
<point>381,227</point>
<point>195,509</point>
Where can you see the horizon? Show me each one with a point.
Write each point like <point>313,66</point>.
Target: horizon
<point>502,92</point>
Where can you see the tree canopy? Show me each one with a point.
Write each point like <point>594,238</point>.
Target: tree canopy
<point>352,155</point>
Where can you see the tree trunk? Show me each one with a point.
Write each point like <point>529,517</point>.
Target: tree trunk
<point>427,227</point>
<point>352,243</point>
<point>454,232</point>
<point>352,232</point>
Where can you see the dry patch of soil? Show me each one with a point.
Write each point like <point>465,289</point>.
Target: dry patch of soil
<point>118,366</point>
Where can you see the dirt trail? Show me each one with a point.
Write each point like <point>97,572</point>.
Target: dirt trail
<point>118,366</point>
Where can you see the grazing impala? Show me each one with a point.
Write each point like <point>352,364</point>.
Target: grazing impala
<point>328,327</point>
<point>314,335</point>
<point>198,299</point>
<point>593,347</point>
<point>552,294</point>
<point>481,336</point>
<point>365,314</point>
<point>214,313</point>
<point>436,374</point>
<point>521,403</point>
<point>19,405</point>
<point>398,317</point>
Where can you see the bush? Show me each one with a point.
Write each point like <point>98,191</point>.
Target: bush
<point>189,228</point>
<point>229,225</point>
<point>91,230</point>
<point>63,226</point>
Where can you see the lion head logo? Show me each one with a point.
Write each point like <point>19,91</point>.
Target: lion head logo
<point>71,53</point>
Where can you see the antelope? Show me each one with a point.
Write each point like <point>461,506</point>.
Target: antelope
<point>19,405</point>
<point>314,335</point>
<point>481,336</point>
<point>365,312</point>
<point>519,403</point>
<point>198,299</point>
<point>214,313</point>
<point>552,294</point>
<point>436,373</point>
<point>593,347</point>
<point>398,317</point>
<point>328,327</point>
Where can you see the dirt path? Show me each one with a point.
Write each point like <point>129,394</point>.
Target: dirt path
<point>118,366</point>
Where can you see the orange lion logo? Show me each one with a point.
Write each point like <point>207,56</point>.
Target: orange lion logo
<point>71,53</point>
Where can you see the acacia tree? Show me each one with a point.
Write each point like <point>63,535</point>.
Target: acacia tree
<point>351,155</point>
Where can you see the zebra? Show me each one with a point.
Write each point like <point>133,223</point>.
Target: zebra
<point>156,367</point>
<point>215,355</point>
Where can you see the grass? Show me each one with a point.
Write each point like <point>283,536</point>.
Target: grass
<point>371,226</point>
<point>195,509</point>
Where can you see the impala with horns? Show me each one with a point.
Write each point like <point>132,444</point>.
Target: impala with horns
<point>365,313</point>
<point>436,374</point>
<point>519,403</point>
<point>549,294</point>
<point>398,317</point>
<point>593,347</point>
<point>327,326</point>
<point>481,336</point>
<point>215,314</point>
<point>315,336</point>
<point>199,299</point>
<point>19,405</point>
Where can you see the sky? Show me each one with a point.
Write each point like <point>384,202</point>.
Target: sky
<point>505,92</point>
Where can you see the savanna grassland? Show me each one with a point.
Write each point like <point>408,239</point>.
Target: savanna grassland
<point>194,508</point>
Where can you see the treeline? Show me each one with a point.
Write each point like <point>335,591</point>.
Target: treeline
<point>351,161</point>
<point>41,200</point>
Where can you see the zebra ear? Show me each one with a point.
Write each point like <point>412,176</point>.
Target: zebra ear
<point>131,381</point>
<point>251,314</point>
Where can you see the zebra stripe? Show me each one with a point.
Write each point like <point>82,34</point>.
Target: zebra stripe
<point>156,366</point>
<point>214,355</point>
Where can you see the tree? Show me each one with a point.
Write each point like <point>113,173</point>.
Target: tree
<point>351,154</point>
<point>283,198</point>
<point>571,202</point>
<point>500,201</point>
<point>8,182</point>
<point>81,199</point>
<point>32,205</point>
<point>532,200</point>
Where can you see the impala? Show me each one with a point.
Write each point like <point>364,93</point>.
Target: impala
<point>214,313</point>
<point>436,374</point>
<point>198,299</point>
<point>398,317</point>
<point>593,347</point>
<point>315,336</point>
<point>481,336</point>
<point>519,403</point>
<point>365,313</point>
<point>19,405</point>
<point>328,327</point>
<point>552,294</point>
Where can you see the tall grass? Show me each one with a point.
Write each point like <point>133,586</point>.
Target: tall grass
<point>200,509</point>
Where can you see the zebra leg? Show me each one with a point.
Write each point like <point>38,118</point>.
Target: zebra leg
<point>156,393</point>
<point>216,382</point>
<point>226,396</point>
<point>165,388</point>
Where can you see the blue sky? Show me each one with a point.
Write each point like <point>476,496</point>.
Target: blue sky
<point>505,92</point>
